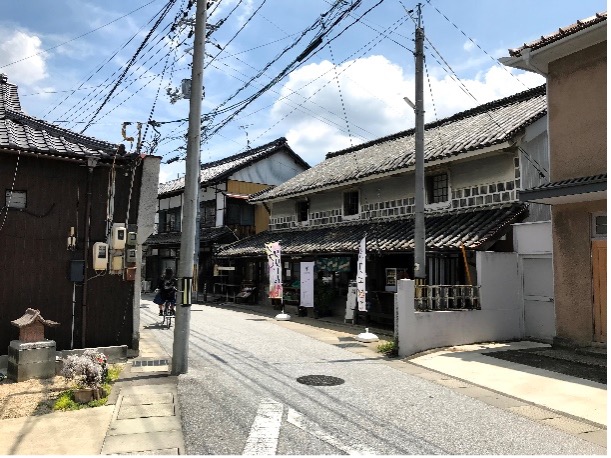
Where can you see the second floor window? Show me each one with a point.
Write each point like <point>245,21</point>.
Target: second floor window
<point>437,188</point>
<point>207,213</point>
<point>240,213</point>
<point>169,220</point>
<point>351,203</point>
<point>303,207</point>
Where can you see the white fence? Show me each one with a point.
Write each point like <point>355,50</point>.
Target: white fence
<point>500,317</point>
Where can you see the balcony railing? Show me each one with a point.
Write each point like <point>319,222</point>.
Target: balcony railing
<point>446,297</point>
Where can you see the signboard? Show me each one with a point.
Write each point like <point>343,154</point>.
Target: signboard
<point>275,269</point>
<point>307,284</point>
<point>361,275</point>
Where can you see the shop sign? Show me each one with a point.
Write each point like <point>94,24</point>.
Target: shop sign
<point>307,284</point>
<point>275,269</point>
<point>361,293</point>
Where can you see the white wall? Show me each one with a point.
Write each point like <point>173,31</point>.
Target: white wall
<point>532,238</point>
<point>273,170</point>
<point>482,170</point>
<point>499,318</point>
<point>390,188</point>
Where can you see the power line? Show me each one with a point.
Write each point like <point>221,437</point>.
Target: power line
<point>476,44</point>
<point>165,11</point>
<point>71,109</point>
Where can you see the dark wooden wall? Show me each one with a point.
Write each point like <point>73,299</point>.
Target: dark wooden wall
<point>35,261</point>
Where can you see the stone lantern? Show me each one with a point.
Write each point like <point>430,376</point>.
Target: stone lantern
<point>32,356</point>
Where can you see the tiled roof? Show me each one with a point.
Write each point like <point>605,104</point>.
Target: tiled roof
<point>572,182</point>
<point>559,34</point>
<point>485,125</point>
<point>213,172</point>
<point>476,229</point>
<point>173,238</point>
<point>21,132</point>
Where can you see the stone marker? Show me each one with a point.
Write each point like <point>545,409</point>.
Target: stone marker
<point>32,356</point>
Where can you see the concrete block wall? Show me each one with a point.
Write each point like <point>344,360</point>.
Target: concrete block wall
<point>420,331</point>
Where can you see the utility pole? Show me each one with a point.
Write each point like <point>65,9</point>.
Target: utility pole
<point>419,230</point>
<point>180,350</point>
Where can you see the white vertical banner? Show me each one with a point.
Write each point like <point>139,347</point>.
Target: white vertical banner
<point>360,276</point>
<point>306,298</point>
<point>273,252</point>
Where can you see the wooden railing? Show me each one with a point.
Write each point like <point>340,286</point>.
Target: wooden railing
<point>446,297</point>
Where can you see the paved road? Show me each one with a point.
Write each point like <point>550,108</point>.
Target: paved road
<point>241,396</point>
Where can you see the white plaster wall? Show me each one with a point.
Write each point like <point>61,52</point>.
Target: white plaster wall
<point>220,204</point>
<point>283,208</point>
<point>498,319</point>
<point>207,193</point>
<point>390,188</point>
<point>273,170</point>
<point>482,170</point>
<point>170,202</point>
<point>326,201</point>
<point>532,238</point>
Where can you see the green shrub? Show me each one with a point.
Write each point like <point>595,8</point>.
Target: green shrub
<point>389,348</point>
<point>65,400</point>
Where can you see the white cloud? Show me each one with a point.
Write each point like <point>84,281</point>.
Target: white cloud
<point>468,45</point>
<point>16,45</point>
<point>373,89</point>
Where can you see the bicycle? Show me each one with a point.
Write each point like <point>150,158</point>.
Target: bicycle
<point>168,314</point>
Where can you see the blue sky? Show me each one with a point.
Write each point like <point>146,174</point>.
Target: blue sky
<point>67,55</point>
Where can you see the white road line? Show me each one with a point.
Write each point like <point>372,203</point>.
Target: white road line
<point>298,420</point>
<point>263,437</point>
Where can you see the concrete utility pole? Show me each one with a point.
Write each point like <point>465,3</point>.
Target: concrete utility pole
<point>180,350</point>
<point>419,230</point>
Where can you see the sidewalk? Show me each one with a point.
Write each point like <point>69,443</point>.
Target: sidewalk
<point>146,416</point>
<point>141,416</point>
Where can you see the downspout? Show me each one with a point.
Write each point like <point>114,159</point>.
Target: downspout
<point>91,164</point>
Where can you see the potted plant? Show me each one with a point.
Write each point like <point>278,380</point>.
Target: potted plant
<point>87,372</point>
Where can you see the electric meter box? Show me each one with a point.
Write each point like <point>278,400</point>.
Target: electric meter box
<point>130,255</point>
<point>119,237</point>
<point>132,238</point>
<point>100,256</point>
<point>117,263</point>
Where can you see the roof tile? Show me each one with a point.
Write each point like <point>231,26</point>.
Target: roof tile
<point>474,228</point>
<point>486,125</point>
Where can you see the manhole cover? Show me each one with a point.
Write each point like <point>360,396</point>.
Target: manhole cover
<point>320,380</point>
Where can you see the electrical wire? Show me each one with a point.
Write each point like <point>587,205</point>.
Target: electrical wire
<point>496,62</point>
<point>165,11</point>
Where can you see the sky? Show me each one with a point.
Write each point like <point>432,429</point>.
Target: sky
<point>90,66</point>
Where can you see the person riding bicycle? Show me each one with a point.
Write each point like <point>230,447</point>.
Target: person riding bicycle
<point>167,291</point>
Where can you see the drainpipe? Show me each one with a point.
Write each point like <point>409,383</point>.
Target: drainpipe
<point>91,163</point>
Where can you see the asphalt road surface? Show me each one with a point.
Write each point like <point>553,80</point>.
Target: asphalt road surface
<point>241,396</point>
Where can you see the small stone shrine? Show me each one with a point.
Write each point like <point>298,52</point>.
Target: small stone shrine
<point>32,356</point>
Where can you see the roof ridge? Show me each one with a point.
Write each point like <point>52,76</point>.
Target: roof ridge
<point>561,32</point>
<point>250,152</point>
<point>36,122</point>
<point>488,106</point>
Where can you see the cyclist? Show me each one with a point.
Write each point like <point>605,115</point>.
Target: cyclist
<point>167,291</point>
